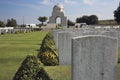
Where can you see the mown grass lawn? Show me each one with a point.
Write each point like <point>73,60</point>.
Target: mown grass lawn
<point>13,50</point>
<point>59,72</point>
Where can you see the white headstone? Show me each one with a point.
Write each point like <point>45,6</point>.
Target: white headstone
<point>94,58</point>
<point>64,47</point>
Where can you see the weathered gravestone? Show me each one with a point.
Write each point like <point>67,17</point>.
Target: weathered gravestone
<point>56,32</point>
<point>118,31</point>
<point>55,36</point>
<point>13,31</point>
<point>9,31</point>
<point>64,47</point>
<point>2,31</point>
<point>94,58</point>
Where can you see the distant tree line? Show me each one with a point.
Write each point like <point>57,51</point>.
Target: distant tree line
<point>117,14</point>
<point>70,23</point>
<point>90,20</point>
<point>2,24</point>
<point>10,23</point>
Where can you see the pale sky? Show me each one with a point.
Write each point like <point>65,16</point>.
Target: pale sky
<point>32,9</point>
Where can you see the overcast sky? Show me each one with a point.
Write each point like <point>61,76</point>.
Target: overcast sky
<point>32,9</point>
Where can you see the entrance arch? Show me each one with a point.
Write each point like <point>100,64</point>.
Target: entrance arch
<point>58,20</point>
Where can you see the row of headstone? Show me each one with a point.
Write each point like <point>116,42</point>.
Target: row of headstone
<point>13,31</point>
<point>82,32</point>
<point>96,27</point>
<point>91,52</point>
<point>63,38</point>
<point>105,27</point>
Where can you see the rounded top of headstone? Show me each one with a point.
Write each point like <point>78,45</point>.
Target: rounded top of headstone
<point>59,7</point>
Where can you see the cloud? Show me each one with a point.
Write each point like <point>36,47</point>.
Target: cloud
<point>37,7</point>
<point>98,2</point>
<point>46,2</point>
<point>89,2</point>
<point>70,2</point>
<point>49,2</point>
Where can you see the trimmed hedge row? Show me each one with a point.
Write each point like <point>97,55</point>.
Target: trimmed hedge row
<point>32,67</point>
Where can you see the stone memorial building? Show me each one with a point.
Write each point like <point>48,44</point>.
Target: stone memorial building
<point>58,12</point>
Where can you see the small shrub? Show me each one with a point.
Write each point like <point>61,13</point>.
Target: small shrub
<point>28,69</point>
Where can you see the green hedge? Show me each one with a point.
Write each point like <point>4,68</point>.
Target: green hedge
<point>31,69</point>
<point>48,54</point>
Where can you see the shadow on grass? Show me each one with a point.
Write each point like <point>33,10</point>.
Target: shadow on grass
<point>37,50</point>
<point>118,60</point>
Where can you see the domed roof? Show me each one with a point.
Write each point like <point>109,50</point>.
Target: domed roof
<point>58,5</point>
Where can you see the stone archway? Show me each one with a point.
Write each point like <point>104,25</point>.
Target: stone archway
<point>58,20</point>
<point>58,11</point>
